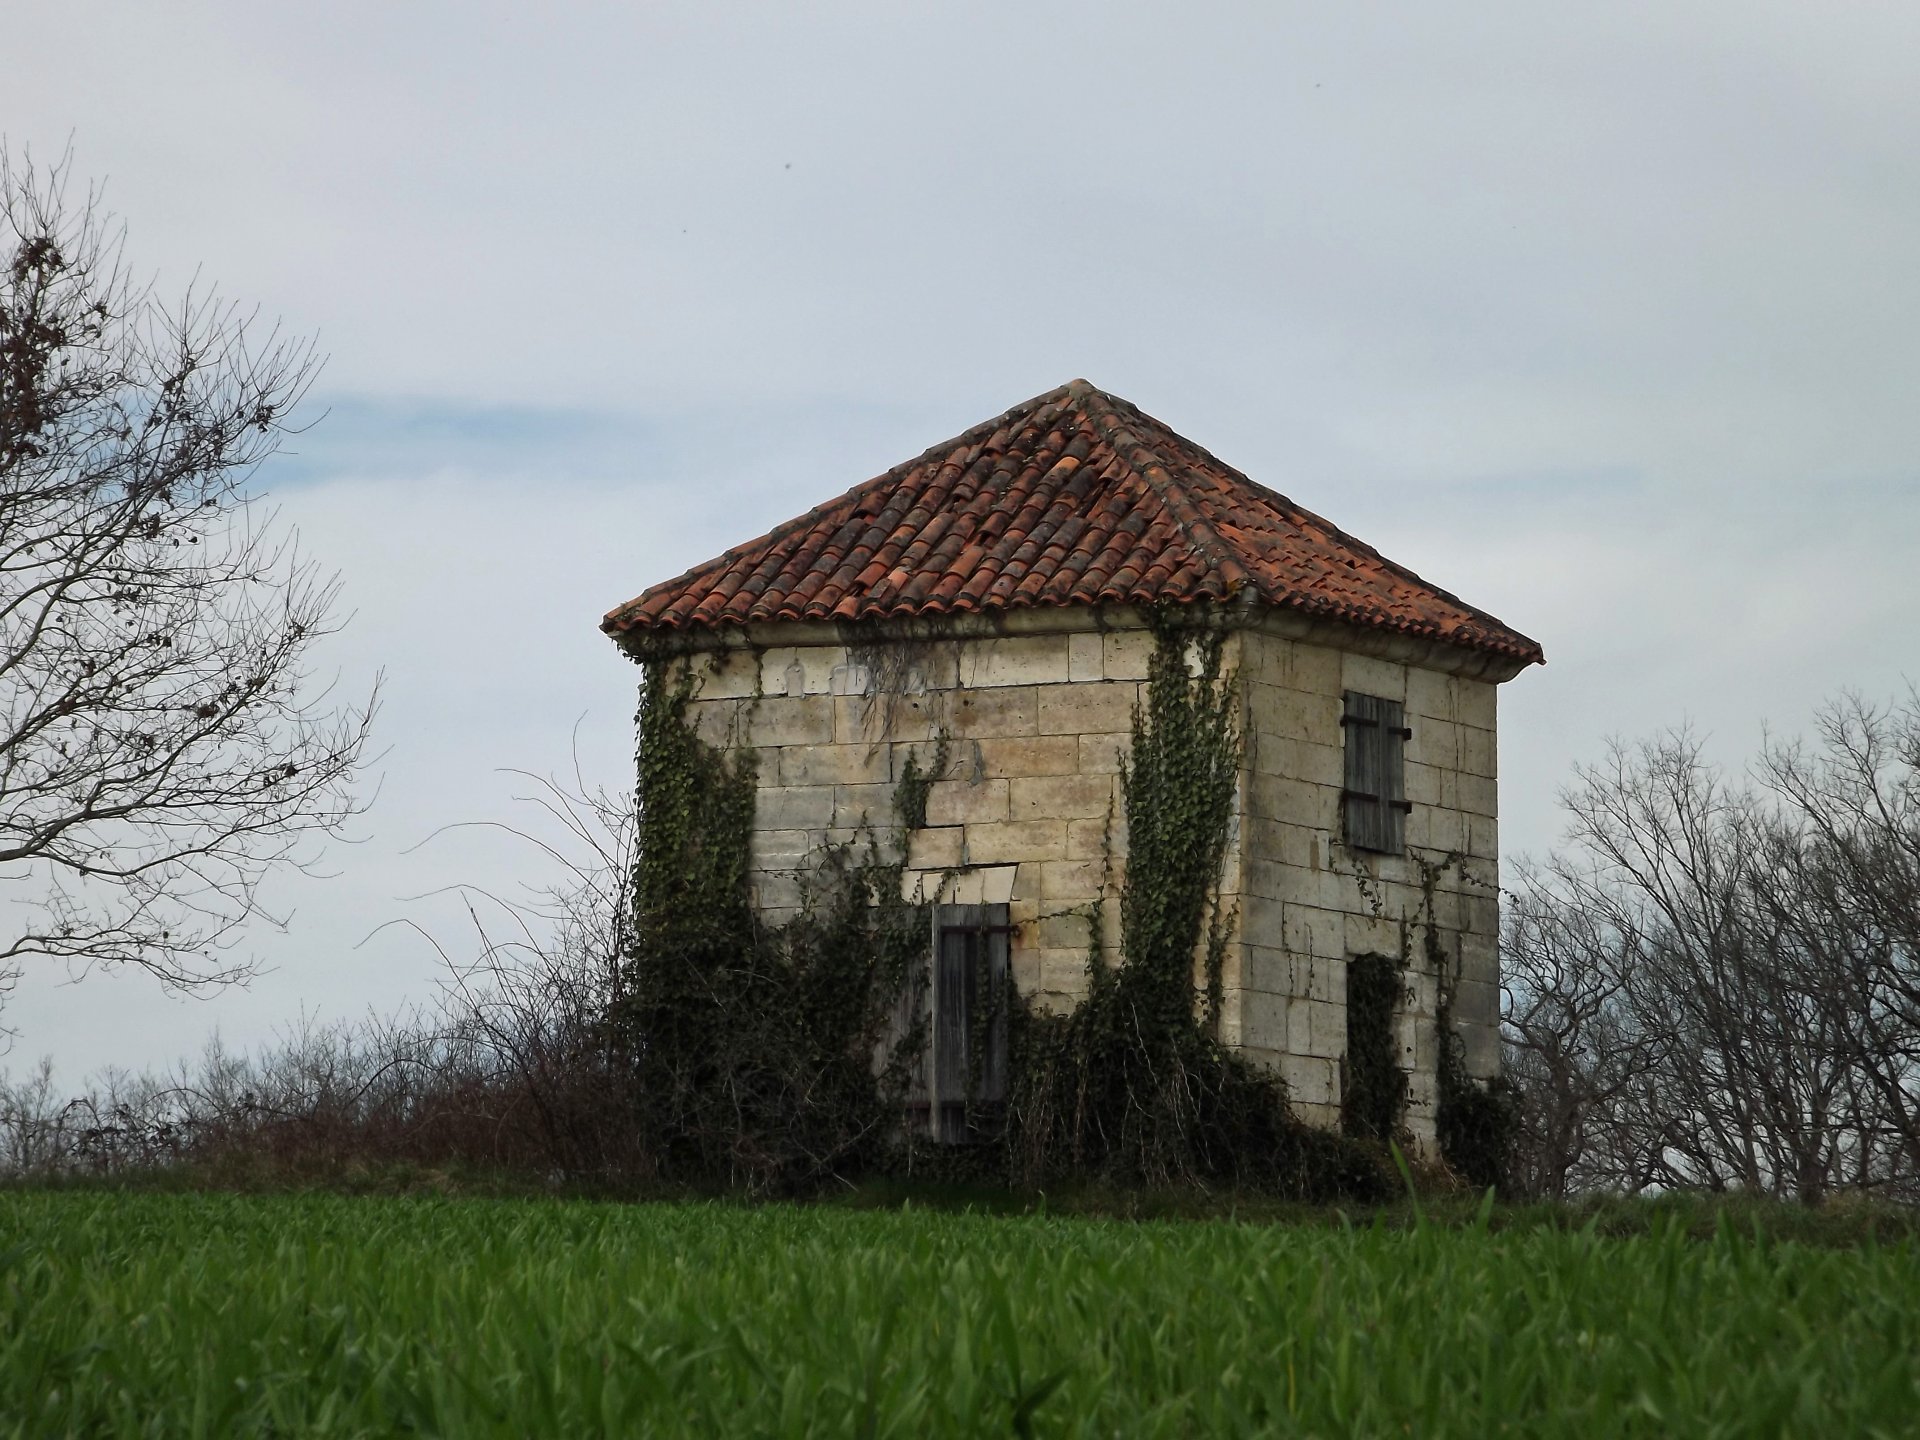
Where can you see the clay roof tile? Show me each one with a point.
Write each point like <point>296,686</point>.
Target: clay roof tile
<point>1074,498</point>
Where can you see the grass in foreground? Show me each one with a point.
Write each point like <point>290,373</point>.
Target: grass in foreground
<point>138,1314</point>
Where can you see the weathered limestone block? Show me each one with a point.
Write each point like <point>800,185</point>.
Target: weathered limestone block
<point>1310,1080</point>
<point>1298,802</point>
<point>1480,914</point>
<point>1127,654</point>
<point>1270,880</point>
<point>804,721</point>
<point>859,720</point>
<point>1287,842</point>
<point>1086,839</point>
<point>795,807</point>
<point>1294,714</point>
<point>1482,1046</point>
<point>716,722</point>
<point>1478,701</point>
<point>775,889</point>
<point>1061,797</point>
<point>1263,1020</point>
<point>1264,967</point>
<point>1299,1039</point>
<point>863,805</point>
<point>1290,664</point>
<point>1327,1022</point>
<point>890,838</point>
<point>1063,968</point>
<point>1372,676</point>
<point>1483,837</point>
<point>1423,783</point>
<point>1426,1044</point>
<point>1086,709</point>
<point>1026,880</point>
<point>1102,754</point>
<point>1070,879</point>
<point>1480,959</point>
<point>1435,743</point>
<point>804,670</point>
<point>936,849</point>
<point>1301,760</point>
<point>991,844</point>
<point>1263,924</point>
<point>1062,930</point>
<point>1348,892</point>
<point>833,765</point>
<point>1319,933</point>
<point>726,675</point>
<point>1369,934</point>
<point>957,802</point>
<point>1266,660</point>
<point>1008,710</point>
<point>1446,830</point>
<point>1030,755</point>
<point>1479,753</point>
<point>1476,1002</point>
<point>1086,656</point>
<point>1430,695</point>
<point>871,719</point>
<point>1315,669</point>
<point>1478,795</point>
<point>1015,660</point>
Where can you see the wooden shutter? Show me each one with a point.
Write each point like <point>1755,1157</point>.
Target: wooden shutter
<point>1374,802</point>
<point>969,1002</point>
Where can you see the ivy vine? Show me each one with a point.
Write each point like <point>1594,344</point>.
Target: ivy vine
<point>1134,1084</point>
<point>762,1058</point>
<point>1474,1122</point>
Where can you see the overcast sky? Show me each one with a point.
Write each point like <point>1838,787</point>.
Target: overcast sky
<point>1605,317</point>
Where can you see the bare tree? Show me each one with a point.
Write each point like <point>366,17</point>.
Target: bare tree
<point>163,744</point>
<point>1714,985</point>
<point>1846,851</point>
<point>1574,1048</point>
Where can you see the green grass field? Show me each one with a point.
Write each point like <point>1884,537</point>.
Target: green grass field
<point>218,1315</point>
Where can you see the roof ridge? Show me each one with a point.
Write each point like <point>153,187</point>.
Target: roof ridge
<point>1100,408</point>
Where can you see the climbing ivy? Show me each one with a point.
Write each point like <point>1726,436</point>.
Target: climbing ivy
<point>1134,1084</point>
<point>1474,1122</point>
<point>767,1058</point>
<point>1373,1089</point>
<point>775,1057</point>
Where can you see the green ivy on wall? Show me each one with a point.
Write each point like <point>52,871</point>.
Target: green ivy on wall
<point>1135,1084</point>
<point>765,1058</point>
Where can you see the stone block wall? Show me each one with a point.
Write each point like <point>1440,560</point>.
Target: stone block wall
<point>1037,725</point>
<point>1309,903</point>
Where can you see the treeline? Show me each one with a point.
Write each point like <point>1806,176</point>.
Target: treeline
<point>1715,983</point>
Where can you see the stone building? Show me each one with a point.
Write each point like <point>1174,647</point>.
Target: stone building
<point>990,590</point>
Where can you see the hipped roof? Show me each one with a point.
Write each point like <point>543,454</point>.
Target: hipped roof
<point>1075,498</point>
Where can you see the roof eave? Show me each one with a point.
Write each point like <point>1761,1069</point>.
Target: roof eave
<point>1432,652</point>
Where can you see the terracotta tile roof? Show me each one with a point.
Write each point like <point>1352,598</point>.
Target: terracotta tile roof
<point>1074,498</point>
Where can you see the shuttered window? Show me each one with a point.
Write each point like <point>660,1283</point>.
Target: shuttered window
<point>1374,801</point>
<point>967,1049</point>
